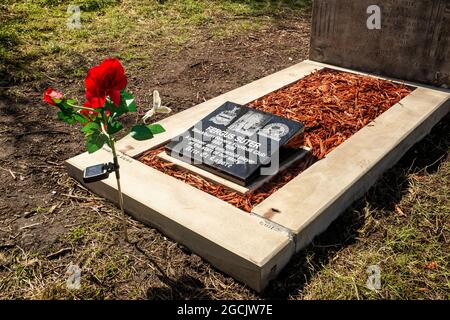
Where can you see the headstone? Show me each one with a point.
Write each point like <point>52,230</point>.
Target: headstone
<point>405,39</point>
<point>236,142</point>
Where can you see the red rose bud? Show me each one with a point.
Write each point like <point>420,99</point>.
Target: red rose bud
<point>51,94</point>
<point>106,79</point>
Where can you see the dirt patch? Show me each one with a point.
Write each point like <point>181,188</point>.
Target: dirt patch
<point>205,69</point>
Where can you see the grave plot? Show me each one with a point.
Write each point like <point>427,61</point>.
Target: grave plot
<point>333,105</point>
<point>353,138</point>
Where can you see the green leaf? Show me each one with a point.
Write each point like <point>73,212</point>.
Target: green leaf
<point>114,126</point>
<point>126,105</point>
<point>129,101</point>
<point>141,132</point>
<point>108,142</point>
<point>95,141</point>
<point>91,128</point>
<point>66,117</point>
<point>156,128</point>
<point>115,111</point>
<point>68,114</point>
<point>80,118</point>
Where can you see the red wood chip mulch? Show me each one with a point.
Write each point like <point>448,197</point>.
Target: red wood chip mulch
<point>333,105</point>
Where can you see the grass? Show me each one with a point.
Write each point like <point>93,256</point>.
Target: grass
<point>37,40</point>
<point>409,242</point>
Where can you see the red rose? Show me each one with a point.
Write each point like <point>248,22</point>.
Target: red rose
<point>106,79</point>
<point>51,94</point>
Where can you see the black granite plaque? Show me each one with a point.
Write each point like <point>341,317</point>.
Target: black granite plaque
<point>235,142</point>
<point>409,41</point>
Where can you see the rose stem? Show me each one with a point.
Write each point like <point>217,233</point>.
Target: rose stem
<point>119,189</point>
<point>81,108</point>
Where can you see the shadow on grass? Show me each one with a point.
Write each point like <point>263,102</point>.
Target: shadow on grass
<point>11,61</point>
<point>183,287</point>
<point>274,6</point>
<point>425,156</point>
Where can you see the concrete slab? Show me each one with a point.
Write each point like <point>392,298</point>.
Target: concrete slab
<point>234,241</point>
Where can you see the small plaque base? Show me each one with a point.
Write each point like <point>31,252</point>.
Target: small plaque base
<point>235,142</point>
<point>286,160</point>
